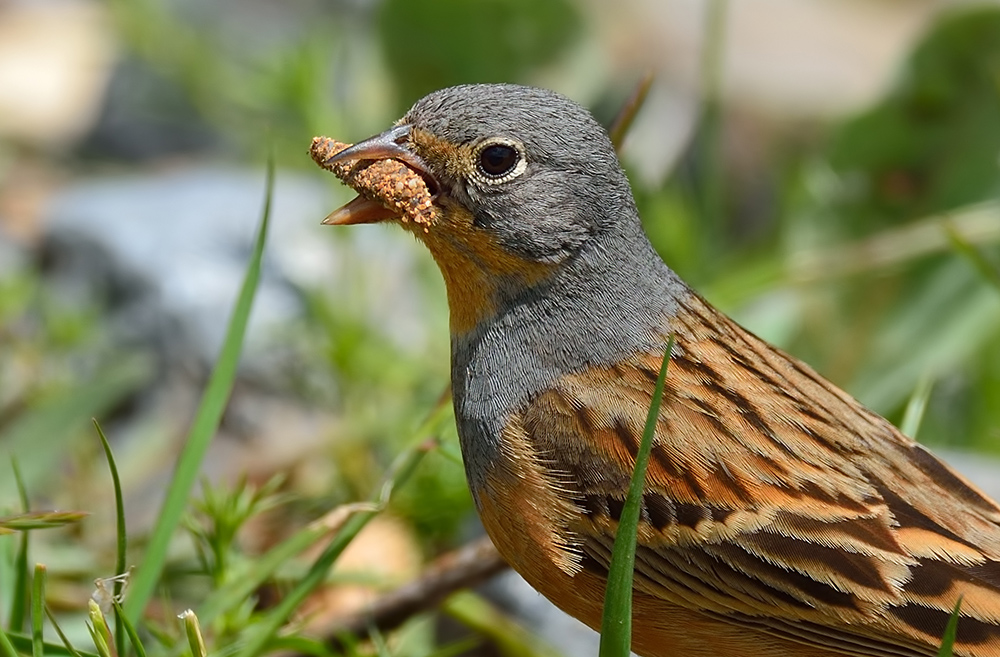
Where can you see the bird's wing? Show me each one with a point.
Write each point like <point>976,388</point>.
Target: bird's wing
<point>773,499</point>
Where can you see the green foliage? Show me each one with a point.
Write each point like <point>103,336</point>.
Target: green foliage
<point>55,374</point>
<point>241,87</point>
<point>478,41</point>
<point>438,501</point>
<point>931,144</point>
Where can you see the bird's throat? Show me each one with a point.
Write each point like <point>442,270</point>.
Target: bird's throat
<point>478,274</point>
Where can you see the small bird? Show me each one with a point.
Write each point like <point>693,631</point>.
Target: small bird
<point>780,516</point>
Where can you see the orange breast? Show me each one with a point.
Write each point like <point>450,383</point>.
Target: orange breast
<point>526,516</point>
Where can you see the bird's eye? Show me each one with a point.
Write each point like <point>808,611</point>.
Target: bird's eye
<point>498,160</point>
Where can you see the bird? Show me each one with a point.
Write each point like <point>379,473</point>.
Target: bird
<point>779,515</point>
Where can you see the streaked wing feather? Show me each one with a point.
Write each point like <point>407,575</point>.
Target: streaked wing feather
<point>774,499</point>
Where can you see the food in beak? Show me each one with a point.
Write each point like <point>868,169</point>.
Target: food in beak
<point>387,188</point>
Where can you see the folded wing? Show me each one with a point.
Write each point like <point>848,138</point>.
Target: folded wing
<point>774,500</point>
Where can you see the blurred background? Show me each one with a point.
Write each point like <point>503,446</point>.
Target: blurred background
<point>826,172</point>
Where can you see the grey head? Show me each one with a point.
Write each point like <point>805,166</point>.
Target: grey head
<point>533,167</point>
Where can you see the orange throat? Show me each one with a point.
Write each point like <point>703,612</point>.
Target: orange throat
<point>476,269</point>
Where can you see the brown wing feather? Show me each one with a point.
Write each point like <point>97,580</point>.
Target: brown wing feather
<point>774,500</point>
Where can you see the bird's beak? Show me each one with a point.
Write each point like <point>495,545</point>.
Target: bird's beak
<point>386,146</point>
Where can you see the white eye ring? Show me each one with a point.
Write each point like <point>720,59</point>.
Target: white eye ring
<point>499,160</point>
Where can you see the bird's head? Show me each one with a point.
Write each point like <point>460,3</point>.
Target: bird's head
<point>524,180</point>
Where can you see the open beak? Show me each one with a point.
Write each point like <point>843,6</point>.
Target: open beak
<point>386,146</point>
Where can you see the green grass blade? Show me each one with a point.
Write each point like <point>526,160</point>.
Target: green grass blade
<point>950,631</point>
<point>203,428</point>
<point>916,406</point>
<point>511,638</point>
<point>192,630</point>
<point>38,611</point>
<point>990,273</point>
<point>133,636</point>
<point>95,637</point>
<point>265,631</point>
<point>24,522</point>
<point>122,536</point>
<point>62,636</point>
<point>99,631</point>
<point>21,645</point>
<point>626,115</point>
<point>711,196</point>
<point>18,608</point>
<point>616,623</point>
<point>6,647</point>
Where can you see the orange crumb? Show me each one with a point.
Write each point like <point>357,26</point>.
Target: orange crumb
<point>389,183</point>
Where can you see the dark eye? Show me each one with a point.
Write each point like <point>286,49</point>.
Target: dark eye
<point>498,160</point>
